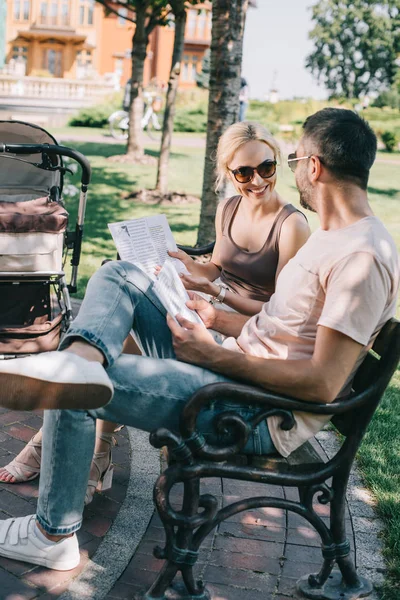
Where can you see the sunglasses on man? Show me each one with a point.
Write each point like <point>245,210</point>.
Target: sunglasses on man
<point>265,170</point>
<point>292,160</point>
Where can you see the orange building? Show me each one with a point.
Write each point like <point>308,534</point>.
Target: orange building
<point>74,39</point>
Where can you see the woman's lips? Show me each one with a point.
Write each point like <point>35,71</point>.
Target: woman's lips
<point>259,191</point>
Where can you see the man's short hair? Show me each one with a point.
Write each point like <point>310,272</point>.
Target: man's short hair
<point>346,143</point>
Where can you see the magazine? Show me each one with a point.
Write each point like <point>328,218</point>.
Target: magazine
<point>145,242</point>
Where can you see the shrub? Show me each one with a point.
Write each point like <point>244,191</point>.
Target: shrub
<point>96,116</point>
<point>390,139</point>
<point>192,120</point>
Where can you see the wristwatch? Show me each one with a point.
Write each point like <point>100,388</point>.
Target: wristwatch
<point>221,295</point>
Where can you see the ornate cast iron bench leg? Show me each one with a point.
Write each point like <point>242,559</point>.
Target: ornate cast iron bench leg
<point>181,548</point>
<point>345,584</point>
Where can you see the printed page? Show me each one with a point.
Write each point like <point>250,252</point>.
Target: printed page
<point>172,293</point>
<point>145,242</point>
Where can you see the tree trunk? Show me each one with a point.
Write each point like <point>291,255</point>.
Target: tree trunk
<point>139,47</point>
<point>228,18</point>
<point>168,124</point>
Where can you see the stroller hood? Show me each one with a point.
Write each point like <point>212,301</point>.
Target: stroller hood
<point>20,180</point>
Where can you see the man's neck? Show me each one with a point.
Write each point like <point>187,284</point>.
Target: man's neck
<point>340,207</point>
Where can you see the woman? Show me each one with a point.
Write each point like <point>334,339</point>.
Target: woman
<point>257,232</point>
<point>256,235</point>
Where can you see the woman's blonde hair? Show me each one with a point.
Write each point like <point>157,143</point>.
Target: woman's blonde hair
<point>236,136</point>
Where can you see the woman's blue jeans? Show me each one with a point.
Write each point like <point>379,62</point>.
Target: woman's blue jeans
<point>149,390</point>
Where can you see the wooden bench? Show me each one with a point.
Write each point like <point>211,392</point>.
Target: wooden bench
<point>192,458</point>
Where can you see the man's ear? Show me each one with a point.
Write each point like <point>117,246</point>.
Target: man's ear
<point>315,168</point>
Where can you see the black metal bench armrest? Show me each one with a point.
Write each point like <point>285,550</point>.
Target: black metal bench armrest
<point>197,251</point>
<point>246,394</point>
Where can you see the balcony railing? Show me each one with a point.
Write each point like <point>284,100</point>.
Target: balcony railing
<point>39,88</point>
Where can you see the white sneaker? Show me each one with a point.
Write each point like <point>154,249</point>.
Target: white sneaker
<point>19,541</point>
<point>53,380</point>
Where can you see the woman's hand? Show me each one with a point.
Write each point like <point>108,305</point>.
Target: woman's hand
<point>193,267</point>
<point>199,284</point>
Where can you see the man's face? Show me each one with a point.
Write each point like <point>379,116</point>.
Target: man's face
<point>302,180</point>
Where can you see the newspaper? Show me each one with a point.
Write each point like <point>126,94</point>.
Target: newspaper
<point>145,242</point>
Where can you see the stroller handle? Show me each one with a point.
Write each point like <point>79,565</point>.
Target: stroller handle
<point>51,150</point>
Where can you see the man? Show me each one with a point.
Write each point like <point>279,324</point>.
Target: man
<point>330,302</point>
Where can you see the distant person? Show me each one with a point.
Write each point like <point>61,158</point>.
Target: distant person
<point>243,99</point>
<point>126,102</point>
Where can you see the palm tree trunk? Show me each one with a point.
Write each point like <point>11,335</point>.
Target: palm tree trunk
<point>168,124</point>
<point>228,19</point>
<point>140,41</point>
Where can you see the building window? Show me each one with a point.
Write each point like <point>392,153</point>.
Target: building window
<point>52,61</point>
<point>191,23</point>
<point>20,53</point>
<point>122,14</point>
<point>202,24</point>
<point>22,9</point>
<point>189,67</point>
<point>86,12</point>
<point>84,64</point>
<point>54,12</point>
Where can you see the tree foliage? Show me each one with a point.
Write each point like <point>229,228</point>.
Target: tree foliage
<point>356,43</point>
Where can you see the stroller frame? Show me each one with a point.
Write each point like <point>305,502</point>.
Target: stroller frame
<point>47,157</point>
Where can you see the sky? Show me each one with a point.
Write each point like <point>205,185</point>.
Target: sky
<point>276,42</point>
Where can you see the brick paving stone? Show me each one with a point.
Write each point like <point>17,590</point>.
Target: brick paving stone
<point>257,547</point>
<point>122,591</point>
<point>263,582</point>
<point>13,505</point>
<point>258,532</point>
<point>290,575</point>
<point>13,445</point>
<point>250,562</point>
<point>13,588</point>
<point>142,561</point>
<point>225,592</point>
<point>13,416</point>
<point>266,517</point>
<point>20,431</point>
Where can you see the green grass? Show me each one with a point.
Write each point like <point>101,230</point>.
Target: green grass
<point>106,202</point>
<point>379,461</point>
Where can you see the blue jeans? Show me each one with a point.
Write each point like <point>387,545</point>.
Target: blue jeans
<point>149,390</point>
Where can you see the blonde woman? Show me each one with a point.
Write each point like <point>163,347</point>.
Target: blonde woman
<point>257,232</point>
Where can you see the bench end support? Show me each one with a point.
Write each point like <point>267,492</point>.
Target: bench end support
<point>334,588</point>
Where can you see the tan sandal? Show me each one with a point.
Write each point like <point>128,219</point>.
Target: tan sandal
<point>19,470</point>
<point>102,470</point>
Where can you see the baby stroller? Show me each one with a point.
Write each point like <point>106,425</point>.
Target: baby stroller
<point>35,304</point>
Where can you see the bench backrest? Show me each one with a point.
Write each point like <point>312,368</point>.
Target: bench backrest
<point>374,374</point>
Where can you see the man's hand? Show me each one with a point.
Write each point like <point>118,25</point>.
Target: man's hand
<point>204,309</point>
<point>192,343</point>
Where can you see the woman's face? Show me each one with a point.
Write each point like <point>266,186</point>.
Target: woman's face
<point>253,154</point>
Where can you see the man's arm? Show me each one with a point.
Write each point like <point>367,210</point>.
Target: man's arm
<point>318,379</point>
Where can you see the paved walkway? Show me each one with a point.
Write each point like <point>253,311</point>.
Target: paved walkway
<point>257,555</point>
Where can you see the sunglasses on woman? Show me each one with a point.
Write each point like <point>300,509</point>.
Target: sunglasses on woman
<point>245,174</point>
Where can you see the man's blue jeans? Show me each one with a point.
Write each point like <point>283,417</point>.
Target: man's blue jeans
<point>149,390</point>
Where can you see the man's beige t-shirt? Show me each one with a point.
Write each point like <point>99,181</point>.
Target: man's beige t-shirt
<point>345,279</point>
